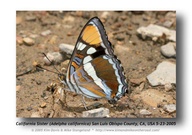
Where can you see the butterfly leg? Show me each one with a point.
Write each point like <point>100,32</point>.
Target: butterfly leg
<point>64,96</point>
<point>83,101</point>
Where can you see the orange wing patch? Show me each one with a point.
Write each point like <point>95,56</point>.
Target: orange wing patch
<point>91,35</point>
<point>75,65</point>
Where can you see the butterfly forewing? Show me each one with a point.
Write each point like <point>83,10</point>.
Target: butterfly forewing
<point>94,70</point>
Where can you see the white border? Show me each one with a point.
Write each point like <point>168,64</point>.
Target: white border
<point>8,60</point>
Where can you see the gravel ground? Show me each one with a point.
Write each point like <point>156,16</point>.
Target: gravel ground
<point>38,92</point>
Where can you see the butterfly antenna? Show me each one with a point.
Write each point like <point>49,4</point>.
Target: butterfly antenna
<point>38,66</point>
<point>83,101</point>
<point>53,64</point>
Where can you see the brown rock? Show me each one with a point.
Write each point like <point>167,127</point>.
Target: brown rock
<point>43,105</point>
<point>35,115</point>
<point>18,87</point>
<point>137,81</point>
<point>153,97</point>
<point>19,40</point>
<point>28,41</point>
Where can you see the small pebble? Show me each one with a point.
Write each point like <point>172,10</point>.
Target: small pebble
<point>168,87</point>
<point>120,37</point>
<point>170,108</point>
<point>168,50</point>
<point>100,112</point>
<point>30,18</point>
<point>29,108</point>
<point>120,42</point>
<point>54,57</point>
<point>105,15</point>
<point>66,48</point>
<point>28,41</point>
<point>69,33</point>
<point>35,115</point>
<point>168,24</point>
<point>43,104</point>
<point>19,40</point>
<point>145,112</point>
<point>45,33</point>
<point>123,17</point>
<point>18,87</point>
<point>38,82</point>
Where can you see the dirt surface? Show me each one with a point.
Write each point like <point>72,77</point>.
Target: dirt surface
<point>37,91</point>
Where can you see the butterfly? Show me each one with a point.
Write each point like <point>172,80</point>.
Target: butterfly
<point>94,71</point>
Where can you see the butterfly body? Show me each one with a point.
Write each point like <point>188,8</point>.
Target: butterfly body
<point>94,71</point>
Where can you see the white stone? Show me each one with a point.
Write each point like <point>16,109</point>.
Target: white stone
<point>170,108</point>
<point>54,57</point>
<point>168,24</point>
<point>28,41</point>
<point>168,50</point>
<point>155,31</point>
<point>105,15</point>
<point>165,73</point>
<point>100,112</point>
<point>145,112</point>
<point>45,33</point>
<point>66,48</point>
<point>168,87</point>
